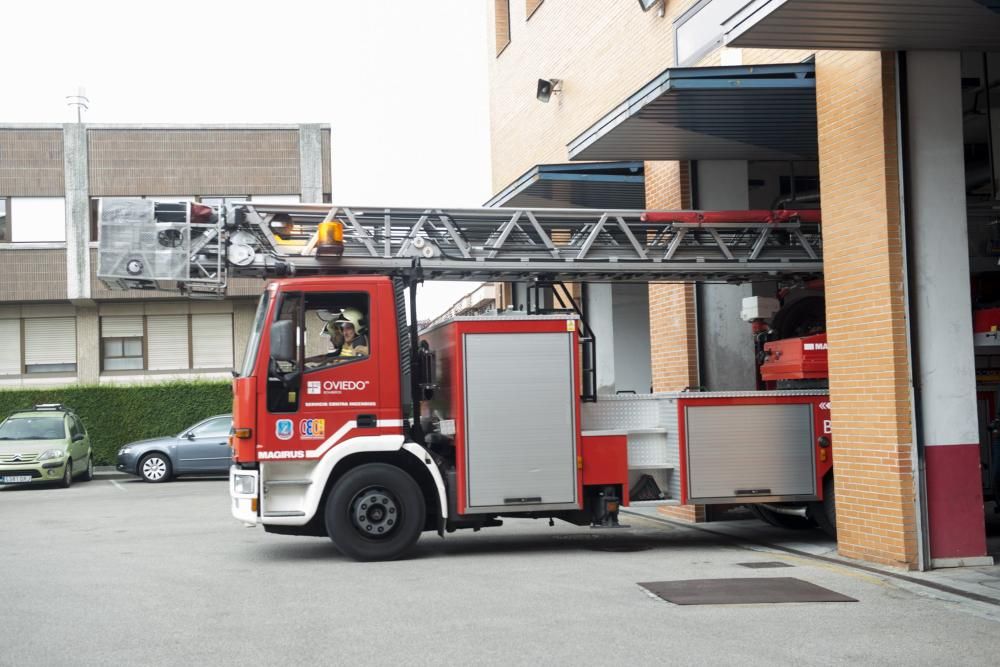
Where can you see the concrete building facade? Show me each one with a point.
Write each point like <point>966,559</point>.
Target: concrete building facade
<point>58,323</point>
<point>900,123</point>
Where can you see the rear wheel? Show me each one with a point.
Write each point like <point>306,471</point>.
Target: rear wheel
<point>789,521</point>
<point>67,479</point>
<point>375,512</point>
<point>825,513</point>
<point>155,468</point>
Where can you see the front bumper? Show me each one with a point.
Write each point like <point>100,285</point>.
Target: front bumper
<point>245,504</point>
<point>39,472</point>
<point>128,463</point>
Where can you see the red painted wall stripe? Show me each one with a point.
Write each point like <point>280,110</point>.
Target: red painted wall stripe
<point>955,502</point>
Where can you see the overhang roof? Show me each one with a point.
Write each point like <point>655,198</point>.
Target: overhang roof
<point>603,185</point>
<point>871,25</point>
<point>762,112</point>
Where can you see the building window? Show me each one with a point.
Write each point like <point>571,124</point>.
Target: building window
<point>10,347</point>
<point>212,340</point>
<point>50,345</point>
<point>39,219</point>
<point>121,354</point>
<point>4,220</point>
<point>122,343</point>
<point>501,16</point>
<point>699,31</point>
<point>530,6</point>
<point>167,342</point>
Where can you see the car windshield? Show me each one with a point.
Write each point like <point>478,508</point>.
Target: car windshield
<point>32,428</point>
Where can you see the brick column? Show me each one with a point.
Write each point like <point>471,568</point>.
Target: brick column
<point>672,320</point>
<point>866,324</point>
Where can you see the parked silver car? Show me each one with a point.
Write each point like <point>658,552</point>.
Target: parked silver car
<point>200,449</point>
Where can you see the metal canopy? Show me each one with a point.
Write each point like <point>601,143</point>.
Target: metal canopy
<point>871,25</point>
<point>765,112</point>
<point>618,185</point>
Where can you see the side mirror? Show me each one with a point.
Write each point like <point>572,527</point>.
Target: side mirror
<point>78,437</point>
<point>189,435</point>
<point>283,340</point>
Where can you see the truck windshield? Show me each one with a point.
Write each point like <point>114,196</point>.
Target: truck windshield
<point>250,356</point>
<point>33,428</point>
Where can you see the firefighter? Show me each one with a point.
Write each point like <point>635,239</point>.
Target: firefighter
<point>355,341</point>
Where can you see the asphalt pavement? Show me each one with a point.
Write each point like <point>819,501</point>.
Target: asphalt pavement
<point>117,571</point>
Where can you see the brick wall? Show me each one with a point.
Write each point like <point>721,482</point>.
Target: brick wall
<point>672,327</point>
<point>193,162</point>
<point>602,51</point>
<point>866,325</point>
<point>31,163</point>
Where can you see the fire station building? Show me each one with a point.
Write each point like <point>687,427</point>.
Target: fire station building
<point>886,115</point>
<point>58,323</point>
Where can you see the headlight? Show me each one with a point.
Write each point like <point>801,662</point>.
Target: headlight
<point>245,484</point>
<point>124,450</point>
<point>51,454</point>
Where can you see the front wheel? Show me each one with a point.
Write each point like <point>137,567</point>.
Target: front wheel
<point>375,512</point>
<point>67,479</point>
<point>155,468</point>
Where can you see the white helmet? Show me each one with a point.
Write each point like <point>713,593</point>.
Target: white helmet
<point>350,316</point>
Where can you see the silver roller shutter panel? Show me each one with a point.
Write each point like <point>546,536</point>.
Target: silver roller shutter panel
<point>10,347</point>
<point>520,421</point>
<point>212,340</point>
<point>129,326</point>
<point>167,342</point>
<point>49,340</point>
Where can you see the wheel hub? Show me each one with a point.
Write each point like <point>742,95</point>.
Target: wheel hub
<point>374,512</point>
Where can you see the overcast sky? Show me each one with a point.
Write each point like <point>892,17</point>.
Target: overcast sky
<point>403,83</point>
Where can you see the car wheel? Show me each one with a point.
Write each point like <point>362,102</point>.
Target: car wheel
<point>825,513</point>
<point>375,512</point>
<point>88,476</point>
<point>155,468</point>
<point>67,479</point>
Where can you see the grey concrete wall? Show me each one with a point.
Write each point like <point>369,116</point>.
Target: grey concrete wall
<point>940,262</point>
<point>88,345</point>
<point>725,346</point>
<point>311,162</point>
<point>77,213</point>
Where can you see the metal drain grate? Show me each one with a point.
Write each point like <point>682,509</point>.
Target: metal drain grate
<point>761,590</point>
<point>760,565</point>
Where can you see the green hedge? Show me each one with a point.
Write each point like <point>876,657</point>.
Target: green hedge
<point>115,415</point>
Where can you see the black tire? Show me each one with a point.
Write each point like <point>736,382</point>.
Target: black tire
<point>360,510</point>
<point>67,478</point>
<point>825,513</point>
<point>155,468</point>
<point>787,521</point>
<point>88,475</point>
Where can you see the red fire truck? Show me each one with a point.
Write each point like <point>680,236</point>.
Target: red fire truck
<point>349,422</point>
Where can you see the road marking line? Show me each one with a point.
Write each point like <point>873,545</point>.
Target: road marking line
<point>117,485</point>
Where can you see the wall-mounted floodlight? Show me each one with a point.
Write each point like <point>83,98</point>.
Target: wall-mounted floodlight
<point>547,88</point>
<point>649,4</point>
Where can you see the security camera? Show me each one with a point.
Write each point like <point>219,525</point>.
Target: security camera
<point>546,88</point>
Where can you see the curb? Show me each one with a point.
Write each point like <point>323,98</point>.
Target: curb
<point>110,472</point>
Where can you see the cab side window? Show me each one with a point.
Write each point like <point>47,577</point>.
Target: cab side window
<point>337,329</point>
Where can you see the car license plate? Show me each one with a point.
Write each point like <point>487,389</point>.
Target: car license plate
<point>14,479</point>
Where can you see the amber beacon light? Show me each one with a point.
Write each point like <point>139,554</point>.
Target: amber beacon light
<point>330,238</point>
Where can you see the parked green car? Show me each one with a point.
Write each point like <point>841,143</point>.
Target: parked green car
<point>46,444</point>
